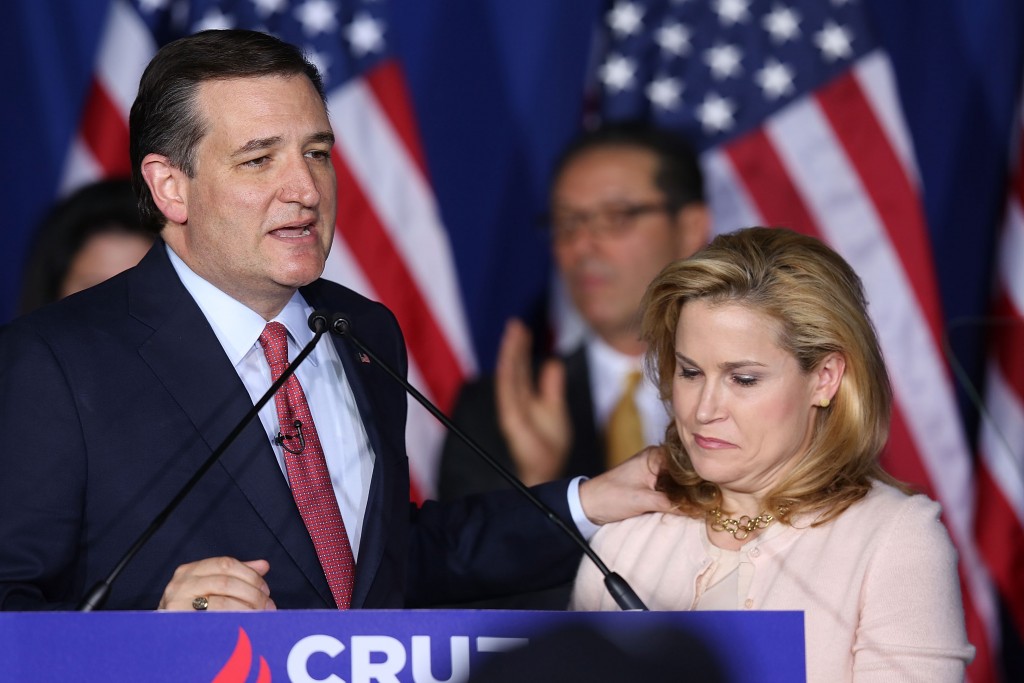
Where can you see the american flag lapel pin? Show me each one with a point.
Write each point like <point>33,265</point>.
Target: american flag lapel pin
<point>363,358</point>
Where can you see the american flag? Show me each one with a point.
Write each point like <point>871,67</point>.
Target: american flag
<point>1000,517</point>
<point>794,109</point>
<point>390,244</point>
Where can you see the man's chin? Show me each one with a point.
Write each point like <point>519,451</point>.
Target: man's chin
<point>598,317</point>
<point>298,276</point>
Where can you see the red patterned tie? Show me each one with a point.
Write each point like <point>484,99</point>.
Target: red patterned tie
<point>307,471</point>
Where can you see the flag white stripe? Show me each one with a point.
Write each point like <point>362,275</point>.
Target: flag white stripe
<point>424,437</point>
<point>1001,438</point>
<point>125,48</point>
<point>405,204</point>
<point>1002,434</point>
<point>80,167</point>
<point>125,51</point>
<point>342,267</point>
<point>1011,251</point>
<point>731,206</point>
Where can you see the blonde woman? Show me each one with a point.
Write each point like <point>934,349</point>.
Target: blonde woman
<point>762,347</point>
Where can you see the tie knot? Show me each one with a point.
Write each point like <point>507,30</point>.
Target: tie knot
<point>274,341</point>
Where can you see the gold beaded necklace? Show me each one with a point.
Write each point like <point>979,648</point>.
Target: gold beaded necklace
<point>739,528</point>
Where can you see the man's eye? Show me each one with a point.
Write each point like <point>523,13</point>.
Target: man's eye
<point>258,161</point>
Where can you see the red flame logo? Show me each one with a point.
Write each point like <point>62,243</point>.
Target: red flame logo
<point>240,663</point>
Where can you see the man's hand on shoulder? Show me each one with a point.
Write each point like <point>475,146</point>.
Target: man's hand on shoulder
<point>626,490</point>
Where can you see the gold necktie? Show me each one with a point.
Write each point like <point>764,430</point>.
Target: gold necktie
<point>624,435</point>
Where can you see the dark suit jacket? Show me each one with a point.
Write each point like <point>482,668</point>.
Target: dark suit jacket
<point>111,399</point>
<point>463,472</point>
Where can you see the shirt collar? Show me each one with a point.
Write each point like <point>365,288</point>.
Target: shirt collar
<point>608,369</point>
<point>611,364</point>
<point>238,327</point>
<point>611,357</point>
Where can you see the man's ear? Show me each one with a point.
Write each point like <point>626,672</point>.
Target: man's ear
<point>693,228</point>
<point>168,187</point>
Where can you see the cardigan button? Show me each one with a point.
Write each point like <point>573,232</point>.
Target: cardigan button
<point>748,603</point>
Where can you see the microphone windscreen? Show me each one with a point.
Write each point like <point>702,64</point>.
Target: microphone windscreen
<point>319,320</point>
<point>340,323</point>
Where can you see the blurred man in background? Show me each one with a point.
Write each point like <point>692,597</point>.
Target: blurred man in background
<point>627,199</point>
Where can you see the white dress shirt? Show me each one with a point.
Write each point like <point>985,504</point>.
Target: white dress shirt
<point>342,435</point>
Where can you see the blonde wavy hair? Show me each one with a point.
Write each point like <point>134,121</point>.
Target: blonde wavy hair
<point>818,303</point>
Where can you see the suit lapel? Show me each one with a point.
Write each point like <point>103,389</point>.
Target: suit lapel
<point>185,355</point>
<point>375,522</point>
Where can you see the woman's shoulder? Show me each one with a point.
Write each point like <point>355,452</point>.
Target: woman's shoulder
<point>886,496</point>
<point>645,525</point>
<point>652,539</point>
<point>885,504</point>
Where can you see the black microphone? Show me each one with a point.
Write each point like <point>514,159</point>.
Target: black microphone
<point>97,596</point>
<point>621,591</point>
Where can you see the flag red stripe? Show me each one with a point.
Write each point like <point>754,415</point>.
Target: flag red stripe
<point>983,668</point>
<point>387,272</point>
<point>1002,542</point>
<point>763,175</point>
<point>879,169</point>
<point>1007,341</point>
<point>1017,187</point>
<point>900,457</point>
<point>388,85</point>
<point>997,528</point>
<point>105,132</point>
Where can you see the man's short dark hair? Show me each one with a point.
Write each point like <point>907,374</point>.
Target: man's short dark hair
<point>164,119</point>
<point>678,176</point>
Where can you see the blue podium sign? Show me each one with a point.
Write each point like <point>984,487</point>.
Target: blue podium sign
<point>362,646</point>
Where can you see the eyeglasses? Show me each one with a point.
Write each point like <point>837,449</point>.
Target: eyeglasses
<point>610,220</point>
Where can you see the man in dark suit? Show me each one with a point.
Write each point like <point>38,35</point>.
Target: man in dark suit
<point>626,200</point>
<point>113,398</point>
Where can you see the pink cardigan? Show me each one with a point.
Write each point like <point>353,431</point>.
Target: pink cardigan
<point>878,585</point>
